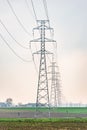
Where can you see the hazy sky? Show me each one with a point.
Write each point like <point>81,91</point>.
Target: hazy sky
<point>18,79</point>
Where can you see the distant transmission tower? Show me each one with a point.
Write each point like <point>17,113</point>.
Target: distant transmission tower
<point>55,94</point>
<point>42,99</point>
<point>58,89</point>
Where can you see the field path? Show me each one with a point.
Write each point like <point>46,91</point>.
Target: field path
<point>31,114</point>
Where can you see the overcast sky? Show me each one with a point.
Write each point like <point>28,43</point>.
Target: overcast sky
<point>18,79</point>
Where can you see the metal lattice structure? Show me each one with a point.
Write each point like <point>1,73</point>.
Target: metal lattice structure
<point>55,94</point>
<point>42,99</point>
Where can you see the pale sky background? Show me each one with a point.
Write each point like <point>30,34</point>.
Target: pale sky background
<point>18,79</point>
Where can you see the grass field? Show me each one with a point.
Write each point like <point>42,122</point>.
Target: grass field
<point>43,124</point>
<point>82,110</point>
<point>71,110</point>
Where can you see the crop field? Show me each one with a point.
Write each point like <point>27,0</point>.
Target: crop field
<point>68,118</point>
<point>82,110</point>
<point>43,124</point>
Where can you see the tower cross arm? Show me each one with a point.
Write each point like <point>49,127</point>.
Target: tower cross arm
<point>49,40</point>
<point>45,51</point>
<point>40,27</point>
<point>46,40</point>
<point>48,52</point>
<point>36,40</point>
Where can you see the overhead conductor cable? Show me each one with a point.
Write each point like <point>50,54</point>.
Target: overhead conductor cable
<point>13,50</point>
<point>12,35</point>
<point>17,17</point>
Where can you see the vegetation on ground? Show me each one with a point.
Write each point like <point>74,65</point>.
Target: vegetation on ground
<point>43,124</point>
<point>81,110</point>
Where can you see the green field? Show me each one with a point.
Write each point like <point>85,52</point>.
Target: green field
<point>80,110</point>
<point>43,124</point>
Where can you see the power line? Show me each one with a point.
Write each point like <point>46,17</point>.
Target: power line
<point>34,44</point>
<point>12,35</point>
<point>34,13</point>
<point>17,17</point>
<point>27,4</point>
<point>34,10</point>
<point>13,50</point>
<point>46,10</point>
<point>39,31</point>
<point>33,60</point>
<point>37,25</point>
<point>36,22</point>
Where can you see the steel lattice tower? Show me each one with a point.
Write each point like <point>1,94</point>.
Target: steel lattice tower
<point>42,99</point>
<point>55,94</point>
<point>58,89</point>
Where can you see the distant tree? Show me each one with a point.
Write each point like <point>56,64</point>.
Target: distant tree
<point>9,101</point>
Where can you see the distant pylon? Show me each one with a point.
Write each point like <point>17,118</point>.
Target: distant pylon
<point>55,94</point>
<point>58,90</point>
<point>42,99</point>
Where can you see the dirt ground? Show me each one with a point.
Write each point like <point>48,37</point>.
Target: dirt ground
<point>41,126</point>
<point>30,114</point>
